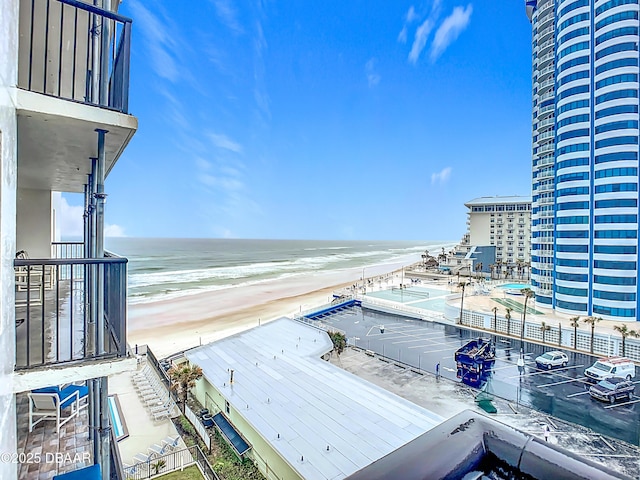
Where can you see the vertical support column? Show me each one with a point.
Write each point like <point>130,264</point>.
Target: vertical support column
<point>92,420</point>
<point>99,246</point>
<point>85,217</point>
<point>90,270</point>
<point>103,439</point>
<point>105,428</point>
<point>96,26</point>
<point>105,35</point>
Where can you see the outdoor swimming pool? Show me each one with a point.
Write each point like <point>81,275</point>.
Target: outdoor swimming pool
<point>119,427</point>
<point>515,286</point>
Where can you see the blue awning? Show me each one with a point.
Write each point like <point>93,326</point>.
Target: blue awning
<point>231,434</point>
<point>92,472</point>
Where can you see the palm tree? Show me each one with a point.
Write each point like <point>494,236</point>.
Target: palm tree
<point>183,378</point>
<point>625,332</point>
<point>574,323</point>
<point>462,285</point>
<point>508,317</point>
<point>592,321</point>
<point>339,341</point>
<point>495,318</point>
<point>559,334</point>
<point>528,293</point>
<point>544,328</point>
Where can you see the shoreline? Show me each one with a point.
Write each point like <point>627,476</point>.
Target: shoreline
<point>173,325</point>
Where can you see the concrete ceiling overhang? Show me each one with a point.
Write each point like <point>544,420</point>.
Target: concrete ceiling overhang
<point>57,138</point>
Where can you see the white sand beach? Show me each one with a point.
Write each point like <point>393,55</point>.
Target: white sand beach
<point>176,324</point>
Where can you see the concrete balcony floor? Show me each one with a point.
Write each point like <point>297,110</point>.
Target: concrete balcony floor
<point>62,452</point>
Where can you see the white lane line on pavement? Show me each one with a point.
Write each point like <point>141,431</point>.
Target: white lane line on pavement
<point>579,380</point>
<point>622,404</point>
<point>552,371</point>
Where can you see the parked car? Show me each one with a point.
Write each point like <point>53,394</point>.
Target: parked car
<point>612,389</point>
<point>611,367</point>
<point>552,359</point>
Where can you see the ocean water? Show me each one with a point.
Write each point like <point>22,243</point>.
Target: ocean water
<point>167,268</point>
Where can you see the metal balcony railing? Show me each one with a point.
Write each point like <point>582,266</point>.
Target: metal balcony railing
<point>57,308</point>
<point>67,249</point>
<point>76,51</point>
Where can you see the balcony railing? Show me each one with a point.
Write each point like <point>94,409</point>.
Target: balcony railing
<point>70,49</point>
<point>57,310</point>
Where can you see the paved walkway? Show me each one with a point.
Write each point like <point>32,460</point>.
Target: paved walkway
<point>144,431</point>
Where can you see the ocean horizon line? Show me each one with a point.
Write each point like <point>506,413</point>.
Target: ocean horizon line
<point>74,239</point>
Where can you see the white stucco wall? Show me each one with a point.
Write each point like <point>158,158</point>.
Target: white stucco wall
<point>33,223</point>
<point>8,179</point>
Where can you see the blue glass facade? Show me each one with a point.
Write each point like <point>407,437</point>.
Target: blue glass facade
<point>585,156</point>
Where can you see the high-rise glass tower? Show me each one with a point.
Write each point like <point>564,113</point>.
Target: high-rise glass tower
<point>585,156</point>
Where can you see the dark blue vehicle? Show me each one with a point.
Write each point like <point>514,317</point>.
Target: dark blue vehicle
<point>474,360</point>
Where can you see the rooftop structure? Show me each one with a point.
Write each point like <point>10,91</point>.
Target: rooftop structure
<point>302,416</point>
<point>64,123</point>
<point>497,240</point>
<point>585,156</point>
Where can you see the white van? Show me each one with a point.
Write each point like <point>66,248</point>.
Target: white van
<point>611,367</point>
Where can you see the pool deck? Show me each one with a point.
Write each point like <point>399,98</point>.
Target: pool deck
<point>144,431</point>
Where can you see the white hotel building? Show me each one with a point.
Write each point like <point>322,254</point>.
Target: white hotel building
<point>585,156</point>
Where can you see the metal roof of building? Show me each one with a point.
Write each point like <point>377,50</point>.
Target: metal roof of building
<point>301,404</point>
<point>497,200</point>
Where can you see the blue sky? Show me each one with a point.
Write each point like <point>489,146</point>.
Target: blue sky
<point>322,120</point>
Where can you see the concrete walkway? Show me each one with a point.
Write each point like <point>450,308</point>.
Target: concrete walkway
<point>144,431</point>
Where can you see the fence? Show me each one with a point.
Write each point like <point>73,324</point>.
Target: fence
<point>76,51</point>
<point>171,462</point>
<point>604,344</point>
<point>202,431</point>
<point>57,309</point>
<point>389,306</point>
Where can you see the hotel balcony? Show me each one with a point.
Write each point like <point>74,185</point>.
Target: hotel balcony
<point>55,323</point>
<point>73,79</point>
<point>73,124</point>
<point>542,47</point>
<point>543,73</point>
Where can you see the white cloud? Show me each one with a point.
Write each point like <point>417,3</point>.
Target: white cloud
<point>450,29</point>
<point>228,15</point>
<point>220,140</point>
<point>69,221</point>
<point>373,78</point>
<point>409,18</point>
<point>420,40</point>
<point>442,176</point>
<point>228,184</point>
<point>113,231</point>
<point>161,40</point>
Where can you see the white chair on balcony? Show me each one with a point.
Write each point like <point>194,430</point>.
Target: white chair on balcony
<point>53,403</point>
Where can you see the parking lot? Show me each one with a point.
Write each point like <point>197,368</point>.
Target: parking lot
<point>561,392</point>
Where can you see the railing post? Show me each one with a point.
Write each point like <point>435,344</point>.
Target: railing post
<point>95,59</point>
<point>104,55</point>
<point>126,49</point>
<point>99,250</point>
